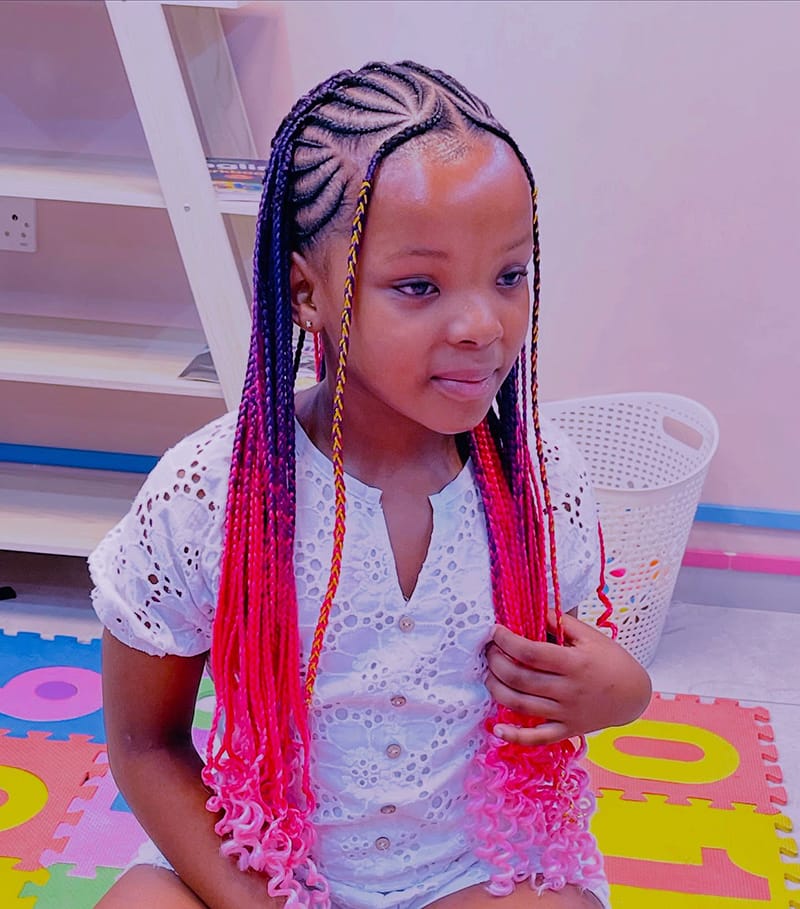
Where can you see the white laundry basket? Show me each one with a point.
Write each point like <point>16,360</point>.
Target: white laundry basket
<point>648,455</point>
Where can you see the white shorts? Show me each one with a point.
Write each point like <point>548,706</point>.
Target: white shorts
<point>466,872</point>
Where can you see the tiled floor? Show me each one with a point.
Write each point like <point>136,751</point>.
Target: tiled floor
<point>747,654</point>
<point>712,651</point>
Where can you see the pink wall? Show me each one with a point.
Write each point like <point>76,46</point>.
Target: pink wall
<point>665,137</point>
<point>64,89</point>
<point>63,85</point>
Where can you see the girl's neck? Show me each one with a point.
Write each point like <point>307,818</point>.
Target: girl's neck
<point>397,453</point>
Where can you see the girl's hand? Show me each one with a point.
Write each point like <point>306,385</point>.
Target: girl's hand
<point>588,684</point>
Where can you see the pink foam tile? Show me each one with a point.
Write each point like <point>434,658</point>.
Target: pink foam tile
<point>47,775</point>
<point>94,835</point>
<point>755,781</point>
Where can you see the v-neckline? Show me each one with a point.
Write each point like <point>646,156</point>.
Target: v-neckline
<point>372,495</point>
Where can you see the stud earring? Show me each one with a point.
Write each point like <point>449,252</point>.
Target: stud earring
<point>309,324</point>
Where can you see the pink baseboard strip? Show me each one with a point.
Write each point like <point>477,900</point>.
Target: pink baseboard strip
<point>741,561</point>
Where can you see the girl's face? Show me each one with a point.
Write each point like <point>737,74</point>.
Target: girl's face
<point>442,303</point>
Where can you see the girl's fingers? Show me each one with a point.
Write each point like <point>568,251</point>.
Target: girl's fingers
<point>520,702</point>
<point>535,654</point>
<point>544,734</point>
<point>575,630</point>
<point>522,678</point>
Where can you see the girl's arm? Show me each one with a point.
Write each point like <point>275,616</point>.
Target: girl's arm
<point>149,705</point>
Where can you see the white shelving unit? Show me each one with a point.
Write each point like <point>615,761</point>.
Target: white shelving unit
<point>80,178</point>
<point>186,94</point>
<point>106,180</point>
<point>63,511</point>
<point>91,354</point>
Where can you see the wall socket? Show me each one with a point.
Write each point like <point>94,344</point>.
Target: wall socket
<point>17,224</point>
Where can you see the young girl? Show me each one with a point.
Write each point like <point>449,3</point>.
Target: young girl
<point>370,562</point>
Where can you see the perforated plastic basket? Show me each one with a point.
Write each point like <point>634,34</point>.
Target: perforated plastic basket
<point>648,455</point>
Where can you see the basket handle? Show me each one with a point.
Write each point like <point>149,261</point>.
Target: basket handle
<point>682,432</point>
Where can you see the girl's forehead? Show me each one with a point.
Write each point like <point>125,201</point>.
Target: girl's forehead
<point>483,182</point>
<point>436,193</point>
<point>441,163</point>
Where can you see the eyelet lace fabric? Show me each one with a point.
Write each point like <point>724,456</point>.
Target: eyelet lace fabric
<point>400,698</point>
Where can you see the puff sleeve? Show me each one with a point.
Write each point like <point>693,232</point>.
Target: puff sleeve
<point>156,573</point>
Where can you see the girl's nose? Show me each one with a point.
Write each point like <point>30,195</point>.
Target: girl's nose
<point>475,322</point>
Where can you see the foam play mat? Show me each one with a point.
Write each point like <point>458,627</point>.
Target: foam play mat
<point>690,802</point>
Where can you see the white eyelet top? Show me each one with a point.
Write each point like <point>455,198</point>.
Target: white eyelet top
<point>400,696</point>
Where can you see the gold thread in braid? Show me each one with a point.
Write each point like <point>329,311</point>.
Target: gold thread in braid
<point>536,423</point>
<point>337,456</point>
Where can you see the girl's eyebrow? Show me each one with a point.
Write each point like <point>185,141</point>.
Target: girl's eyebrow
<point>419,251</point>
<point>426,252</point>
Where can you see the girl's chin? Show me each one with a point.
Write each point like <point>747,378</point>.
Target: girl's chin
<point>456,427</point>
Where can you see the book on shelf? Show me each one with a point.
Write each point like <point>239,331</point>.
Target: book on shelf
<point>231,177</point>
<point>201,368</point>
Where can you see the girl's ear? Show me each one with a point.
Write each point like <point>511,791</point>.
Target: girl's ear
<point>301,285</point>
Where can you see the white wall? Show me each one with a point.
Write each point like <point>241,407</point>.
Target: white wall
<point>665,137</point>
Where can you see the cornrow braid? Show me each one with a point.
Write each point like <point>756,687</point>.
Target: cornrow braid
<point>325,157</point>
<point>370,108</point>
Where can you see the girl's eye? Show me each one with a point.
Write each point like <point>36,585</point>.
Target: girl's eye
<point>416,288</point>
<point>513,278</point>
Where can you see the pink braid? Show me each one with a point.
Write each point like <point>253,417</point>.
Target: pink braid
<point>530,806</point>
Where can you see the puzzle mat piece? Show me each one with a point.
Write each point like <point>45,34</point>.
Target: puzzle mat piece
<point>40,777</point>
<point>204,708</point>
<point>200,741</point>
<point>119,803</point>
<point>26,650</point>
<point>13,882</point>
<point>50,685</point>
<point>685,748</point>
<point>62,890</point>
<point>61,700</point>
<point>203,715</point>
<point>93,833</point>
<point>662,855</point>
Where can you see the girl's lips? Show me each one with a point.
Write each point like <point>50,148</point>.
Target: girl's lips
<point>464,387</point>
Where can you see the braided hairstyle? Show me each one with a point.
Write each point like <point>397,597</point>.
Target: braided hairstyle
<point>324,160</point>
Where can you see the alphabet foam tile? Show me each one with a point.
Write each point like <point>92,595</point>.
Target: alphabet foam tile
<point>94,834</point>
<point>62,890</point>
<point>40,778</point>
<point>50,685</point>
<point>683,748</point>
<point>663,855</point>
<point>13,882</point>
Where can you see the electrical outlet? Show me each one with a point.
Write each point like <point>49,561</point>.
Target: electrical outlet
<point>17,224</point>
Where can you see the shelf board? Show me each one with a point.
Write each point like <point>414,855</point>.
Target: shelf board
<point>245,204</point>
<point>90,354</point>
<point>221,4</point>
<point>59,510</point>
<point>69,177</point>
<point>102,179</point>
